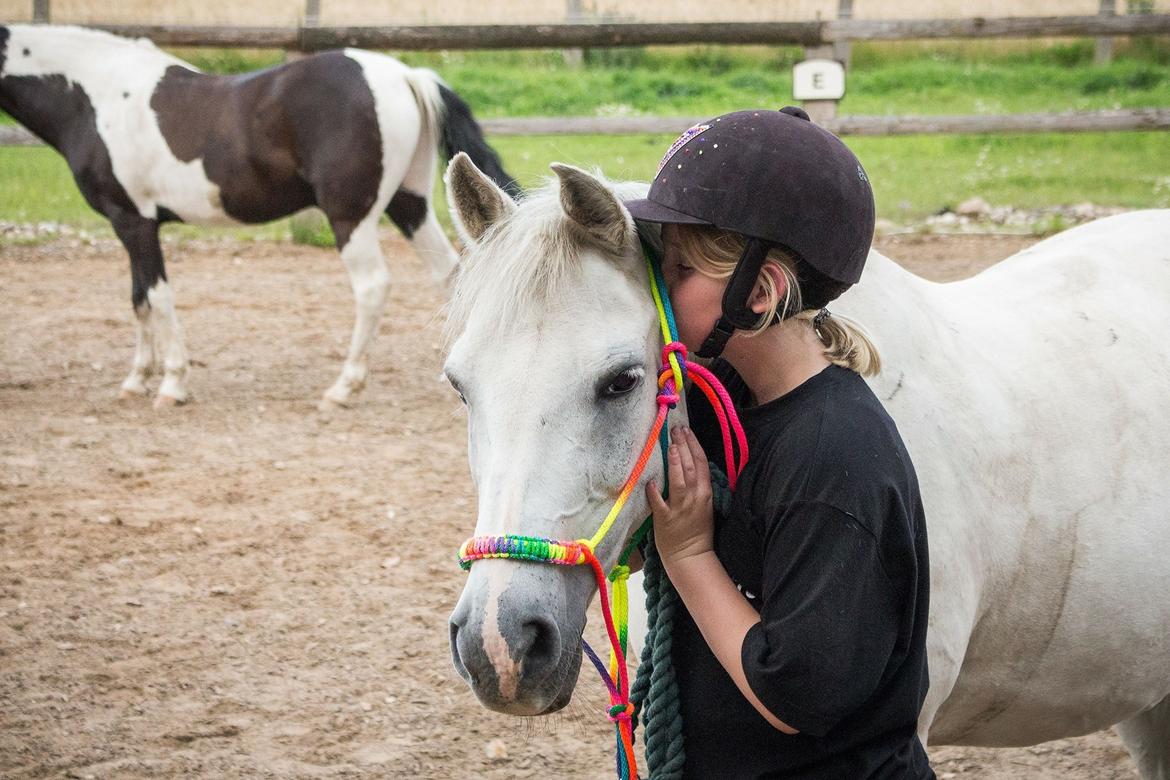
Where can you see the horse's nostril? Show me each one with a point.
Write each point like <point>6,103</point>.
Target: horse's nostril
<point>542,645</point>
<point>453,626</point>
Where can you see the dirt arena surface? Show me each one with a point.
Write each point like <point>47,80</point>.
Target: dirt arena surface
<point>245,587</point>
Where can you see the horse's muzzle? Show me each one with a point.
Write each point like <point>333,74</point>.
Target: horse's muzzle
<point>515,650</point>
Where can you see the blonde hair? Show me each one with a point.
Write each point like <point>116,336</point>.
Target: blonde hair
<point>715,253</point>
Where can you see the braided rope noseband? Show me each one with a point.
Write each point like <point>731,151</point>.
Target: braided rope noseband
<point>675,368</point>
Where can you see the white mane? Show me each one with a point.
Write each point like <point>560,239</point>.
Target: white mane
<point>65,49</point>
<point>87,36</point>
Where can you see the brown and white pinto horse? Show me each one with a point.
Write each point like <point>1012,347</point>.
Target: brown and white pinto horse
<point>151,140</point>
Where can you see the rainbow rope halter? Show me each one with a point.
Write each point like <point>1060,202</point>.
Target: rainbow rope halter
<point>675,368</point>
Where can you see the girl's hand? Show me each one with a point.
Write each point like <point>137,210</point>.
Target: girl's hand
<point>685,527</point>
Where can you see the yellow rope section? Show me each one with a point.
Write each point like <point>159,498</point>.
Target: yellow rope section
<point>664,323</point>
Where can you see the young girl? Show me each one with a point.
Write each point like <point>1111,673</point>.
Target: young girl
<point>802,653</point>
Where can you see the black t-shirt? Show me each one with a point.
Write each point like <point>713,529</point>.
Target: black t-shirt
<point>827,540</point>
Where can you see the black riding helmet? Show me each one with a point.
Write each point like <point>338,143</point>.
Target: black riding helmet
<point>778,180</point>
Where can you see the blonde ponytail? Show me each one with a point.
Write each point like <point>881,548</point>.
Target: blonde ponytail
<point>846,344</point>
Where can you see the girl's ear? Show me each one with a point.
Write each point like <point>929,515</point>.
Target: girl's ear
<point>760,301</point>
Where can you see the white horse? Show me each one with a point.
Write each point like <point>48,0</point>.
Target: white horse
<point>149,140</point>
<point>1031,397</point>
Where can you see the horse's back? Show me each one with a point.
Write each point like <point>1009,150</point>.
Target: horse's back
<point>1119,252</point>
<point>1063,366</point>
<point>1093,298</point>
<point>1065,345</point>
<point>307,132</point>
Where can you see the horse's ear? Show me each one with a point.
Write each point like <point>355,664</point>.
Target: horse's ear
<point>594,208</point>
<point>476,203</point>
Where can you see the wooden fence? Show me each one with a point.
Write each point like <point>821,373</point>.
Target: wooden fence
<point>515,36</point>
<point>820,38</point>
<point>1062,122</point>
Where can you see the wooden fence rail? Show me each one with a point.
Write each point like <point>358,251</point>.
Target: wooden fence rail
<point>1073,121</point>
<point>496,36</point>
<point>809,34</point>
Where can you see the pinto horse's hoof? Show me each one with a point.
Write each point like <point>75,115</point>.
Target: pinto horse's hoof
<point>327,404</point>
<point>129,394</point>
<point>167,401</point>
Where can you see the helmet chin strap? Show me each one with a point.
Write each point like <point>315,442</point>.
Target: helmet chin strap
<point>737,313</point>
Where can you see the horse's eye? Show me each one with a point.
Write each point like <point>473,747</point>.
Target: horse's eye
<point>458,390</point>
<point>623,382</point>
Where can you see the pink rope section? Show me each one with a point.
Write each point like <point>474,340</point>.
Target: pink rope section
<point>620,709</point>
<point>648,449</point>
<point>720,401</point>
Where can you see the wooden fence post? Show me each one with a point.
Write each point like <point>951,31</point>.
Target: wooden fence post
<point>309,225</point>
<point>843,48</point>
<point>40,11</point>
<point>574,58</point>
<point>820,111</point>
<point>1104,53</point>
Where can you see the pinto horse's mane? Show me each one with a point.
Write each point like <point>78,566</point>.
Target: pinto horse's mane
<point>96,44</point>
<point>91,36</point>
<point>524,261</point>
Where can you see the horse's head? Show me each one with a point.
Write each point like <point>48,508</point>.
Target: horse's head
<point>555,352</point>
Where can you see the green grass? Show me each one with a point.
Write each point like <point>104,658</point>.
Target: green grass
<point>36,186</point>
<point>935,79</point>
<point>913,176</point>
<point>230,60</point>
<point>916,176</point>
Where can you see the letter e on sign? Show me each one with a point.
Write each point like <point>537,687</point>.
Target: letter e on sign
<point>818,80</point>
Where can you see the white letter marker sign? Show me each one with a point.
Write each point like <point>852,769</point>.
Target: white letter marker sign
<point>818,80</point>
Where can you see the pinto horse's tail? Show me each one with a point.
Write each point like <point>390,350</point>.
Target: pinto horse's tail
<point>454,125</point>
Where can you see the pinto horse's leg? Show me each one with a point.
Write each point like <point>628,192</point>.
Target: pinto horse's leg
<point>370,279</point>
<point>1147,736</point>
<point>173,389</point>
<point>158,326</point>
<point>425,234</point>
<point>411,212</point>
<point>145,269</point>
<point>134,385</point>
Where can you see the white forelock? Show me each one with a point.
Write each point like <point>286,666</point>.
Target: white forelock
<point>524,260</point>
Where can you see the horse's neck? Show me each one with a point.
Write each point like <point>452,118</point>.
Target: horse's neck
<point>86,58</point>
<point>47,113</point>
<point>77,52</point>
<point>72,74</point>
<point>898,310</point>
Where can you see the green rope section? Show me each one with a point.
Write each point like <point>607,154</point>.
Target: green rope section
<point>720,491</point>
<point>655,689</point>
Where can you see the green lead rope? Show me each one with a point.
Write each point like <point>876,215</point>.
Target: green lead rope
<point>655,689</point>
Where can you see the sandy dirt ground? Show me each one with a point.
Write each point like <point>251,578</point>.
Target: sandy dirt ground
<point>245,587</point>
